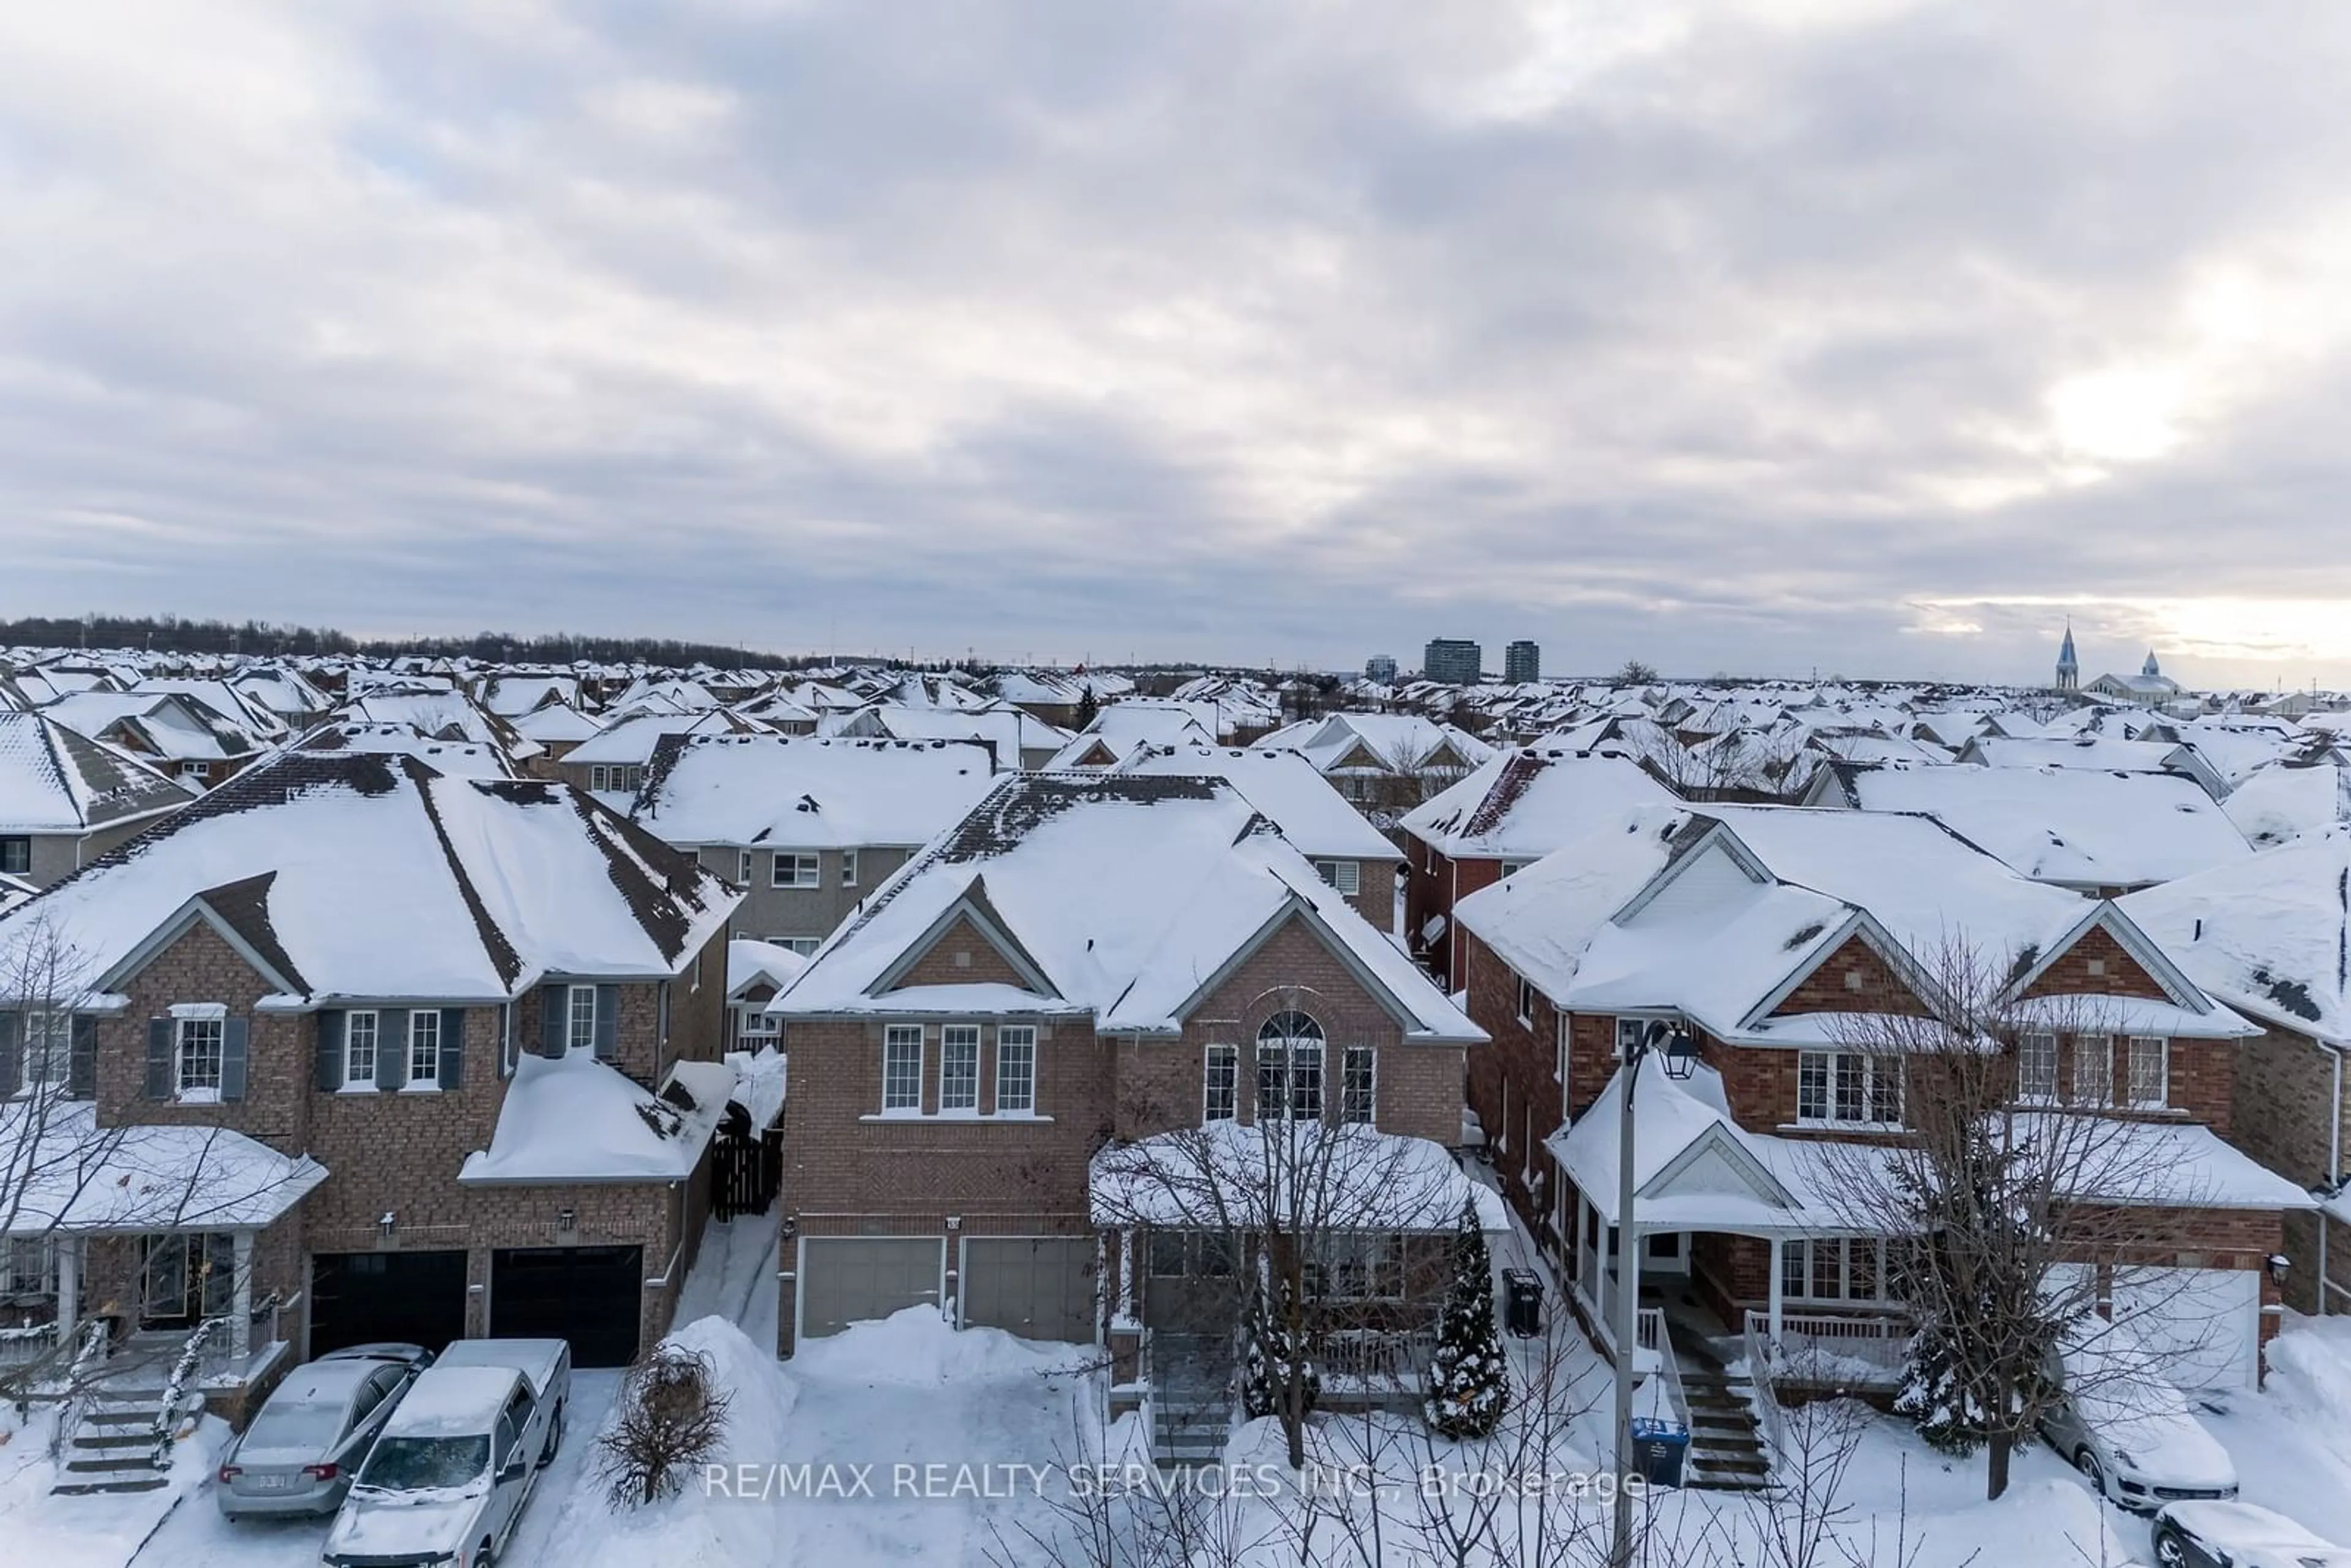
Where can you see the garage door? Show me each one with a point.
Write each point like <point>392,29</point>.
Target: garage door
<point>1039,1287</point>
<point>847,1279</point>
<point>588,1295</point>
<point>2203,1325</point>
<point>357,1298</point>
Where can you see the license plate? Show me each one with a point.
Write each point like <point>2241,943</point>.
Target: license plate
<point>271,1483</point>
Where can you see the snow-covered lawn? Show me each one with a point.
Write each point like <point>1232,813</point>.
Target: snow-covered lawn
<point>2292,1442</point>
<point>98,1532</point>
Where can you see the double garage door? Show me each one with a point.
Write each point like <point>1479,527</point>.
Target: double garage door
<point>1037,1287</point>
<point>591,1296</point>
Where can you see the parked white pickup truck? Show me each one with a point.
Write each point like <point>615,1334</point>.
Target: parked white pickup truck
<point>452,1470</point>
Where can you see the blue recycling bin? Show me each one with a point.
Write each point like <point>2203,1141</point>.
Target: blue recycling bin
<point>1660,1450</point>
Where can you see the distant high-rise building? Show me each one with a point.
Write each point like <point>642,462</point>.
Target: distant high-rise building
<point>1457,661</point>
<point>1522,661</point>
<point>2069,668</point>
<point>1381,669</point>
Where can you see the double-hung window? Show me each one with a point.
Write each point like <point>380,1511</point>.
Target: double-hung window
<point>1358,1265</point>
<point>1347,876</point>
<point>1357,1084</point>
<point>1853,1088</point>
<point>795,869</point>
<point>16,856</point>
<point>1527,1002</point>
<point>902,1067</point>
<point>2036,1066</point>
<point>849,868</point>
<point>579,1018</point>
<point>1833,1269</point>
<point>360,1032</point>
<point>28,1266</point>
<point>2150,1070</point>
<point>959,1067</point>
<point>743,867</point>
<point>48,1048</point>
<point>1220,1095</point>
<point>2094,1070</point>
<point>1016,1070</point>
<point>199,1054</point>
<point>424,1049</point>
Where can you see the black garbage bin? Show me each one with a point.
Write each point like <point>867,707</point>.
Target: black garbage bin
<point>1658,1450</point>
<point>1523,1303</point>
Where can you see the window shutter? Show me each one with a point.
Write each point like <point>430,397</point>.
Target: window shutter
<point>452,1048</point>
<point>554,1002</point>
<point>235,1036</point>
<point>158,1059</point>
<point>392,1048</point>
<point>11,1053</point>
<point>608,1023</point>
<point>330,1052</point>
<point>81,1063</point>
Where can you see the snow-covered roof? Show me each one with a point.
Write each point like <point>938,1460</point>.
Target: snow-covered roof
<point>54,780</point>
<point>1525,803</point>
<point>804,792</point>
<point>66,1172</point>
<point>1011,733</point>
<point>555,723</point>
<point>1285,786</point>
<point>1540,919</point>
<point>1391,742</point>
<point>2075,827</point>
<point>171,726</point>
<point>633,737</point>
<point>464,758</point>
<point>2287,798</point>
<point>363,876</point>
<point>1223,1175</point>
<point>575,1119</point>
<point>2104,753</point>
<point>2270,935</point>
<point>1128,895</point>
<point>750,962</point>
<point>1120,730</point>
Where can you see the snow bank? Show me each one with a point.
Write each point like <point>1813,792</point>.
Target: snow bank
<point>917,1346</point>
<point>695,1529</point>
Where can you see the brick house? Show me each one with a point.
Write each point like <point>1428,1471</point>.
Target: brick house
<point>1084,964</point>
<point>2269,935</point>
<point>66,800</point>
<point>1518,807</point>
<point>445,1053</point>
<point>807,828</point>
<point>1771,937</point>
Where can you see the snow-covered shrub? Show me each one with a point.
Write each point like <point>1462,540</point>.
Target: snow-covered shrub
<point>671,1418</point>
<point>1468,1379</point>
<point>1275,1362</point>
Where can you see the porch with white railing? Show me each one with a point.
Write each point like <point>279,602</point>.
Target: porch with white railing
<point>1843,1350</point>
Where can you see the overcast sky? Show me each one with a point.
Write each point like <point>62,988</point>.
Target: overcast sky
<point>1855,335</point>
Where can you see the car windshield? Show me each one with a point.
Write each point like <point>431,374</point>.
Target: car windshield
<point>420,1464</point>
<point>304,1427</point>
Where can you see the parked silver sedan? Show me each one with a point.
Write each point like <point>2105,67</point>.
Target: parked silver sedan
<point>300,1452</point>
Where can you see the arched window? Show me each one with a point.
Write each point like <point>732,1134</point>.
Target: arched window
<point>1290,1068</point>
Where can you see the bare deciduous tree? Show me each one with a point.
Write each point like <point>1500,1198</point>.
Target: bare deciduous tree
<point>2011,1204</point>
<point>672,1416</point>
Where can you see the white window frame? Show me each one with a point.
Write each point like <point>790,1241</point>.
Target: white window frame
<point>48,1044</point>
<point>959,1040</point>
<point>1526,1002</point>
<point>22,864</point>
<point>746,866</point>
<point>795,862</point>
<point>1220,1085</point>
<point>2039,1062</point>
<point>2160,1046</point>
<point>1371,1269</point>
<point>753,1024</point>
<point>192,1038</point>
<point>2096,1087</point>
<point>1511,868</point>
<point>360,1057</point>
<point>849,868</point>
<point>1353,1096</point>
<point>424,1049</point>
<point>579,1032</point>
<point>1563,1048</point>
<point>902,1076</point>
<point>1799,1253</point>
<point>28,1266</point>
<point>1016,1043</point>
<point>1345,876</point>
<point>1870,1076</point>
<point>1286,1060</point>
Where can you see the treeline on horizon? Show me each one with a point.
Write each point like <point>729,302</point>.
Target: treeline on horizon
<point>174,635</point>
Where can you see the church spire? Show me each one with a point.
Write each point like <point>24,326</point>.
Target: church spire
<point>2069,668</point>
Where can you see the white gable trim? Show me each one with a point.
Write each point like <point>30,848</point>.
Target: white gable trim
<point>965,907</point>
<point>1717,835</point>
<point>2183,991</point>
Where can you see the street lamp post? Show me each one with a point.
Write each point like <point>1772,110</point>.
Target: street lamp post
<point>1681,1058</point>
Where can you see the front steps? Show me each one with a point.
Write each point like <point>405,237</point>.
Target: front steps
<point>113,1447</point>
<point>1726,1452</point>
